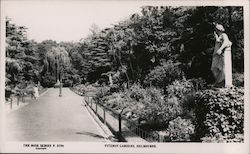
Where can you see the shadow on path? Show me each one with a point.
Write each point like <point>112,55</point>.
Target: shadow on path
<point>90,134</point>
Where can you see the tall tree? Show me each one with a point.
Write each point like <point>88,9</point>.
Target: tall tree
<point>57,60</point>
<point>21,58</point>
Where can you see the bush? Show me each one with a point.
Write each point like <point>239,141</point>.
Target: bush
<point>48,80</point>
<point>151,107</point>
<point>85,88</point>
<point>8,91</point>
<point>136,92</point>
<point>211,115</point>
<point>101,94</point>
<point>154,106</point>
<point>163,74</point>
<point>81,88</point>
<point>238,80</point>
<point>198,83</point>
<point>180,88</point>
<point>223,139</point>
<point>76,79</point>
<point>219,112</point>
<point>115,88</point>
<point>179,130</point>
<point>68,83</point>
<point>147,106</point>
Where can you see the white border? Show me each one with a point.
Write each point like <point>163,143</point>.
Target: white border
<point>93,147</point>
<point>2,74</point>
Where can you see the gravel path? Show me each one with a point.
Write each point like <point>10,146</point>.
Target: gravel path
<point>53,118</point>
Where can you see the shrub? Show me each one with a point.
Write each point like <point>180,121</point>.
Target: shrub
<point>238,79</point>
<point>198,83</point>
<point>115,88</point>
<point>220,138</point>
<point>80,88</point>
<point>136,92</point>
<point>68,83</point>
<point>101,94</point>
<point>152,108</point>
<point>180,88</point>
<point>8,91</point>
<point>184,91</point>
<point>76,79</point>
<point>163,74</point>
<point>29,89</point>
<point>179,130</point>
<point>147,106</point>
<point>219,112</point>
<point>172,108</point>
<point>48,80</point>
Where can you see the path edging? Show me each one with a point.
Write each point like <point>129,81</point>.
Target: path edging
<point>21,104</point>
<point>108,134</point>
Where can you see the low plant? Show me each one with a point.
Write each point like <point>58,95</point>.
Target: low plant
<point>220,112</point>
<point>180,129</point>
<point>180,88</point>
<point>223,139</point>
<point>164,74</point>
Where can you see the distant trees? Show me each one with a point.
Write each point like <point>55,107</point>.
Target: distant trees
<point>28,62</point>
<point>56,60</point>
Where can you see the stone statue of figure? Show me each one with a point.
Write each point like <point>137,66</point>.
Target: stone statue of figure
<point>36,92</point>
<point>222,62</point>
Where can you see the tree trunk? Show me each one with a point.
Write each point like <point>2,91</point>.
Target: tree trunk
<point>60,89</point>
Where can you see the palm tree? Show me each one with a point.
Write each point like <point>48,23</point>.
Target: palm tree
<point>56,59</point>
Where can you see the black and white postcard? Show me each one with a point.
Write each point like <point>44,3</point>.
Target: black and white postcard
<point>111,76</point>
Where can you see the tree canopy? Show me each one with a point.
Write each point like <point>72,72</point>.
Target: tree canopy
<point>156,46</point>
<point>183,35</point>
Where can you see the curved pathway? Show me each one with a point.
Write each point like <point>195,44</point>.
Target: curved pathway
<point>53,118</point>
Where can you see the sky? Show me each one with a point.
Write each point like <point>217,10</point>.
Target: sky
<point>66,20</point>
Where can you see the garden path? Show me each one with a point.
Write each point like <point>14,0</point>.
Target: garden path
<point>53,118</point>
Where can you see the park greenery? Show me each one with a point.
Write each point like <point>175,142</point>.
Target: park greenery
<point>155,65</point>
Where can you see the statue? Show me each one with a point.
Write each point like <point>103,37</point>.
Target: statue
<point>222,62</point>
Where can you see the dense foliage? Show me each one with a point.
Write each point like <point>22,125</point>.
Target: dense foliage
<point>184,114</point>
<point>29,62</point>
<point>160,44</point>
<point>179,130</point>
<point>153,47</point>
<point>220,113</point>
<point>21,59</point>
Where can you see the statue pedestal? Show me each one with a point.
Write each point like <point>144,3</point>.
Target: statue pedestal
<point>228,69</point>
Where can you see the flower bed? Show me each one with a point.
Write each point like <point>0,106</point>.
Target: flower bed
<point>184,114</point>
